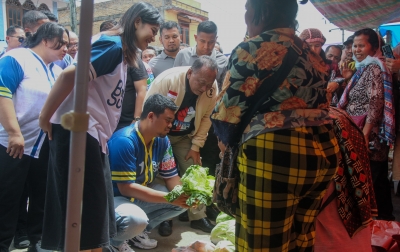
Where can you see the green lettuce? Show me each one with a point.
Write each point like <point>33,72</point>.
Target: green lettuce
<point>223,217</point>
<point>224,246</point>
<point>197,184</point>
<point>223,231</point>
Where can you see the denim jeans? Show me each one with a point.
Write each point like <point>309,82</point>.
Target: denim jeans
<point>134,217</point>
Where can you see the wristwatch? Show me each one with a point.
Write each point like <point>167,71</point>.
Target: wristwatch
<point>137,119</point>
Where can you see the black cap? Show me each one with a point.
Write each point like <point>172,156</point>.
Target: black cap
<point>349,40</point>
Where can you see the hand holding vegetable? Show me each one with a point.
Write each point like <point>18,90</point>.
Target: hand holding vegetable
<point>197,184</point>
<point>181,201</point>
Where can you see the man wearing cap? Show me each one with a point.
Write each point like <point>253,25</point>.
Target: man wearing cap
<point>347,65</point>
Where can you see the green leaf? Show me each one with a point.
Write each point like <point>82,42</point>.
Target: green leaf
<point>234,101</point>
<point>252,49</point>
<point>235,74</point>
<point>236,85</point>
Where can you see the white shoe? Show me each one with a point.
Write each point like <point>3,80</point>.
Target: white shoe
<point>39,247</point>
<point>124,247</point>
<point>143,241</point>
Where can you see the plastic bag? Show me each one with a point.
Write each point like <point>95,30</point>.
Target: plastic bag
<point>384,235</point>
<point>197,246</point>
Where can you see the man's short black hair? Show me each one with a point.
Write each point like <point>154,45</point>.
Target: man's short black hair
<point>157,104</point>
<point>184,44</point>
<point>31,18</point>
<point>335,46</point>
<point>50,16</point>
<point>12,29</point>
<point>169,25</point>
<point>107,25</point>
<point>207,27</point>
<point>152,48</point>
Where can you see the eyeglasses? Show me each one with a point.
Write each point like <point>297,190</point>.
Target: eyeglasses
<point>20,39</point>
<point>73,45</point>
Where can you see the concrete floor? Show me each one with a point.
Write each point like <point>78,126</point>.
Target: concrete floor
<point>183,234</point>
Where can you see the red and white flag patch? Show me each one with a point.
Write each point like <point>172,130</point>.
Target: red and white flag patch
<point>171,94</point>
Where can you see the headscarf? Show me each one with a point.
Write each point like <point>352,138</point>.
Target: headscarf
<point>312,35</point>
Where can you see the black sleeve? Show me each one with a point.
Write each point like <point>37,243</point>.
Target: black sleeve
<point>137,74</point>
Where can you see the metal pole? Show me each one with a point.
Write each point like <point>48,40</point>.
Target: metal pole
<point>72,13</point>
<point>342,36</point>
<point>78,139</point>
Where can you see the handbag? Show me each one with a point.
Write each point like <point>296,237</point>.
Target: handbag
<point>359,120</point>
<point>227,174</point>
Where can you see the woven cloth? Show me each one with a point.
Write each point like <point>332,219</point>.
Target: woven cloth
<point>354,188</point>
<point>354,15</point>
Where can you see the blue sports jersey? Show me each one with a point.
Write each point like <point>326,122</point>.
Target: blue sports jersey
<point>131,162</point>
<point>106,88</point>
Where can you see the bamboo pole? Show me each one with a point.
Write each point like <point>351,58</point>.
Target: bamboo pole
<point>78,139</point>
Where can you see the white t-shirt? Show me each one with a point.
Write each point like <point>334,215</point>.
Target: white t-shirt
<point>106,89</point>
<point>27,80</point>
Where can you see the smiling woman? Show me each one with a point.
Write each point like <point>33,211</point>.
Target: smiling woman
<point>111,52</point>
<point>368,100</point>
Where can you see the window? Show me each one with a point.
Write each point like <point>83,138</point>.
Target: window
<point>185,33</point>
<point>15,11</point>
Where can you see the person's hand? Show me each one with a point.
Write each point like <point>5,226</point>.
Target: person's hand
<point>393,64</point>
<point>195,155</point>
<point>332,86</point>
<point>16,145</point>
<point>45,125</point>
<point>181,201</point>
<point>347,73</point>
<point>221,146</point>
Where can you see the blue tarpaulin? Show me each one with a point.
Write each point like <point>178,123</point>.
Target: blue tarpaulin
<point>395,29</point>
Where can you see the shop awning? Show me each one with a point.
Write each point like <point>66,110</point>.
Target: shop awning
<point>353,15</point>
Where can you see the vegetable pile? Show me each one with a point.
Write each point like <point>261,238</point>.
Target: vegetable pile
<point>197,184</point>
<point>223,234</point>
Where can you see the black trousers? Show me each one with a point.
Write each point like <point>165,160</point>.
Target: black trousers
<point>23,212</point>
<point>379,172</point>
<point>14,174</point>
<point>210,152</point>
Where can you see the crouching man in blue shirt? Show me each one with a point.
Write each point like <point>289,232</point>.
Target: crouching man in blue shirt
<point>138,153</point>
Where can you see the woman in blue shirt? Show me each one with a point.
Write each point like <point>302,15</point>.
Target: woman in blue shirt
<point>26,77</point>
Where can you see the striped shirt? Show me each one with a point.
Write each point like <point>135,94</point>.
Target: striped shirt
<point>27,80</point>
<point>132,162</point>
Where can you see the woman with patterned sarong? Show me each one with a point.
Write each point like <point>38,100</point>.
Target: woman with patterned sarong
<point>288,152</point>
<point>368,99</point>
<point>349,203</point>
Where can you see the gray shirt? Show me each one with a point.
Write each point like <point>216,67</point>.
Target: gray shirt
<point>187,56</point>
<point>161,63</point>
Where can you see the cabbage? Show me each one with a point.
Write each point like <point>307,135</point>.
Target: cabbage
<point>197,184</point>
<point>223,217</point>
<point>224,246</point>
<point>223,231</point>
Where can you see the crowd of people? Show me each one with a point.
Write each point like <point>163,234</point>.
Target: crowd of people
<point>310,131</point>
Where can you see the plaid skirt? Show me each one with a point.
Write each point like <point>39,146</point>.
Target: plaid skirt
<point>283,178</point>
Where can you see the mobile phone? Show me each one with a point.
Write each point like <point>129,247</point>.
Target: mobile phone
<point>387,51</point>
